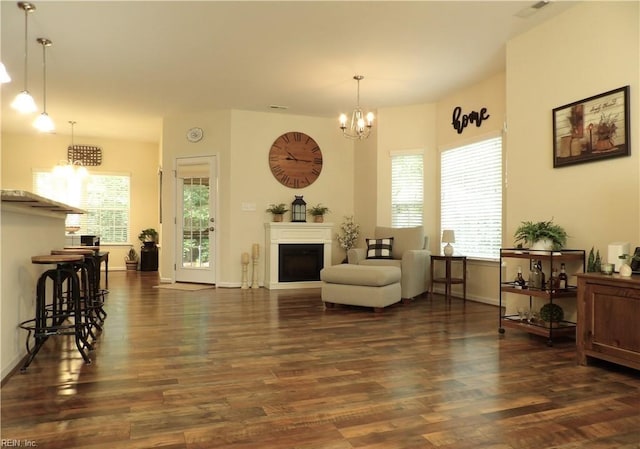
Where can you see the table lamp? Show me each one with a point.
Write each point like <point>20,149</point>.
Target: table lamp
<point>448,237</point>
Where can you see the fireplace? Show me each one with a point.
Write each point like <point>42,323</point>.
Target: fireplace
<point>300,262</point>
<point>305,248</point>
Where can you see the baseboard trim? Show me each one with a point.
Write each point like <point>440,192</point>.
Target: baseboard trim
<point>474,298</point>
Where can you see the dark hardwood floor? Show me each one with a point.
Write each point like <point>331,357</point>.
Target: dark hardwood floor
<point>255,369</point>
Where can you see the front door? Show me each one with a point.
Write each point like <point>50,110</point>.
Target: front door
<point>196,221</point>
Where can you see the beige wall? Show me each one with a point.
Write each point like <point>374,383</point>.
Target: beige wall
<point>482,276</point>
<point>215,142</point>
<point>365,177</point>
<point>21,153</point>
<point>241,140</point>
<point>400,129</point>
<point>590,49</point>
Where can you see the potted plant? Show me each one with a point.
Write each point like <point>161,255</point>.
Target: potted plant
<point>148,237</point>
<point>552,314</point>
<point>131,260</point>
<point>317,212</point>
<point>349,232</point>
<point>277,210</point>
<point>541,235</point>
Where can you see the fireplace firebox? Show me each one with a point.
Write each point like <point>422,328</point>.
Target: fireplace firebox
<point>311,244</point>
<point>299,262</point>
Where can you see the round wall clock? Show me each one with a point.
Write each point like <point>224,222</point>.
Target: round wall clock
<point>295,160</point>
<point>194,134</point>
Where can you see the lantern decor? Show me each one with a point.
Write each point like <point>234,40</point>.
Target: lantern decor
<point>298,210</point>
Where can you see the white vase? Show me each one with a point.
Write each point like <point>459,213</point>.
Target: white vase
<point>541,246</point>
<point>625,270</point>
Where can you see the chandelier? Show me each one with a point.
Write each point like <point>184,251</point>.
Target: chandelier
<point>359,127</point>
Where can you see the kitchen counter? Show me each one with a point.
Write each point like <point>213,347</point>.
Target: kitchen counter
<point>31,225</point>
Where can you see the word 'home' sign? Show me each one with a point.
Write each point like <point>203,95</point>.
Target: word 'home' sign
<point>461,121</point>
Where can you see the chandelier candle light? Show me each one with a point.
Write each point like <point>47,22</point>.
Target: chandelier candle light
<point>43,122</point>
<point>24,102</point>
<point>360,125</point>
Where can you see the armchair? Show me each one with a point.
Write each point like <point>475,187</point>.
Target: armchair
<point>409,252</point>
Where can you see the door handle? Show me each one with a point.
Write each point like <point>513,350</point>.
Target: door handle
<point>212,229</point>
<point>212,220</point>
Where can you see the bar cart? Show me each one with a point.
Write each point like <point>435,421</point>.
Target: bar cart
<point>551,259</point>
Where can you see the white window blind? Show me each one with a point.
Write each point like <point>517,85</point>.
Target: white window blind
<point>407,190</point>
<point>471,197</point>
<point>106,198</point>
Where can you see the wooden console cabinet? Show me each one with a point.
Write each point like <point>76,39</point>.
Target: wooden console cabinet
<point>608,324</point>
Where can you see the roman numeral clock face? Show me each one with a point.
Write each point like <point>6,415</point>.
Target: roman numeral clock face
<point>295,160</point>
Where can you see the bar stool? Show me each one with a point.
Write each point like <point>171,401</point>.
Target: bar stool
<point>62,315</point>
<point>91,298</point>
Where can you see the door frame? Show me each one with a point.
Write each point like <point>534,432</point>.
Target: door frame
<point>214,183</point>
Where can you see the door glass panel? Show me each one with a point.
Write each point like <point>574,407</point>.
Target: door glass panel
<point>195,224</point>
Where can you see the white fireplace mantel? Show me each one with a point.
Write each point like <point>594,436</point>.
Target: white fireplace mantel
<point>277,233</point>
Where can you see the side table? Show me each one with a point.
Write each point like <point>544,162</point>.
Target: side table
<point>448,280</point>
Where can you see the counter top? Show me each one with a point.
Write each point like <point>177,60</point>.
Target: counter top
<point>35,202</point>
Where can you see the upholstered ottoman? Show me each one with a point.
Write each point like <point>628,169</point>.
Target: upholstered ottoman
<point>360,285</point>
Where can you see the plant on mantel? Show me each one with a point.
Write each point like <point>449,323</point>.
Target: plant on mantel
<point>277,210</point>
<point>318,212</point>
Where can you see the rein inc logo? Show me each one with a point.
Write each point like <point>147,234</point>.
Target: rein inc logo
<point>7,442</point>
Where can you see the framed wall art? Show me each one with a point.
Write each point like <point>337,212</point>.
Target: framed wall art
<point>88,155</point>
<point>592,129</point>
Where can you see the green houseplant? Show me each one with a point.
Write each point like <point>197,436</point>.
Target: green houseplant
<point>534,232</point>
<point>277,210</point>
<point>317,212</point>
<point>148,235</point>
<point>551,313</point>
<point>131,260</point>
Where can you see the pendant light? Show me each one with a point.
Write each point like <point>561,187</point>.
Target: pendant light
<point>24,102</point>
<point>4,75</point>
<point>43,122</point>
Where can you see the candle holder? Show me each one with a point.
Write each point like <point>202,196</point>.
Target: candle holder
<point>255,253</point>
<point>245,267</point>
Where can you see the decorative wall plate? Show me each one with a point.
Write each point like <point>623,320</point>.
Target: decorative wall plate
<point>195,134</point>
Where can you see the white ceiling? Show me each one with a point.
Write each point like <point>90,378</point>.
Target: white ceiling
<point>118,67</point>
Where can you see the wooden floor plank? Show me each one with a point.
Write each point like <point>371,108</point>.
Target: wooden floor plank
<point>256,369</point>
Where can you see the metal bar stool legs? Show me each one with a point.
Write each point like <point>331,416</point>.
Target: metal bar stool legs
<point>92,299</point>
<point>62,315</point>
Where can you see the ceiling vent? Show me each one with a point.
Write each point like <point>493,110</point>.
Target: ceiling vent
<point>531,10</point>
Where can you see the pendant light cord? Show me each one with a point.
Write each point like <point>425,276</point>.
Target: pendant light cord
<point>44,76</point>
<point>26,47</point>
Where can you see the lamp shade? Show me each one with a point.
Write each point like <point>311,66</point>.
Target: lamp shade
<point>4,75</point>
<point>448,236</point>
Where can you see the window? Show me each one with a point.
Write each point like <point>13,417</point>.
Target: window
<point>106,199</point>
<point>471,197</point>
<point>407,189</point>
